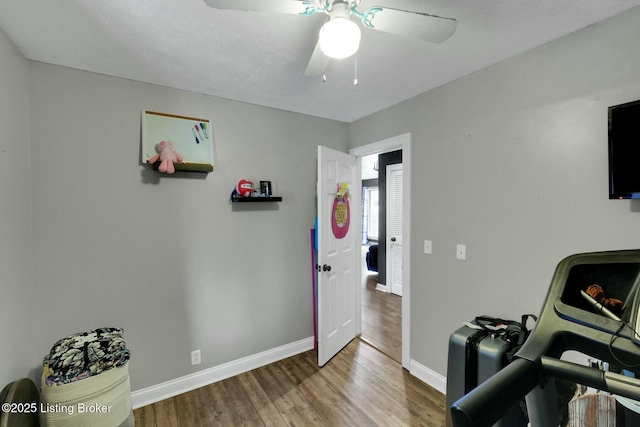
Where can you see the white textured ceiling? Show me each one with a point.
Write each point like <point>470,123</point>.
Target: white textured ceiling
<point>260,58</point>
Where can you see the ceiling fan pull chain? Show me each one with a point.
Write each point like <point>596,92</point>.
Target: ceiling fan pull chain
<point>355,69</point>
<point>324,69</point>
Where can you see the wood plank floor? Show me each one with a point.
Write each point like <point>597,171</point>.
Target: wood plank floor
<point>359,387</point>
<point>381,318</point>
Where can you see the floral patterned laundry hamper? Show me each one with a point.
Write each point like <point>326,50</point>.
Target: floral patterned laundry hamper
<point>85,381</point>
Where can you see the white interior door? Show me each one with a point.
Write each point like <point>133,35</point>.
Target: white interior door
<point>394,228</point>
<point>337,275</point>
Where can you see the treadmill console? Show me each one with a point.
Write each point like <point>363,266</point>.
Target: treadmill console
<point>618,298</point>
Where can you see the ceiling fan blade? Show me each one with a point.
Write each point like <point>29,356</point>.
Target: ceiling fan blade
<point>421,26</point>
<point>297,7</point>
<point>317,64</point>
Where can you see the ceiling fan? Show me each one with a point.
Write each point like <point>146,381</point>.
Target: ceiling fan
<point>339,37</point>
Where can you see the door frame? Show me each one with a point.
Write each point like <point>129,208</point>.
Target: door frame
<point>399,142</point>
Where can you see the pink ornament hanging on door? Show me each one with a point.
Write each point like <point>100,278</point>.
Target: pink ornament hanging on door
<point>341,212</point>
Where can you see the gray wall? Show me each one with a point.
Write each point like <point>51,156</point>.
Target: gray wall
<point>512,162</point>
<point>16,283</point>
<point>167,258</point>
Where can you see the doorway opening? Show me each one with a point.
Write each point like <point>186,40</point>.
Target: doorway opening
<point>381,285</point>
<point>401,142</point>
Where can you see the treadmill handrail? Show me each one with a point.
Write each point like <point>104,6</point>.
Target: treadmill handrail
<point>488,402</point>
<point>592,377</point>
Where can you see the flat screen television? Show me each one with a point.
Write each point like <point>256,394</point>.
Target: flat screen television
<point>624,151</point>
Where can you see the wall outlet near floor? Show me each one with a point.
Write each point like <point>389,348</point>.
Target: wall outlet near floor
<point>195,357</point>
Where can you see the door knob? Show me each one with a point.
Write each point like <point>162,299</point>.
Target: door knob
<point>326,267</point>
<point>393,239</point>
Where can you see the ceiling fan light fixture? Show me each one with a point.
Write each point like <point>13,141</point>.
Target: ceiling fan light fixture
<point>339,38</point>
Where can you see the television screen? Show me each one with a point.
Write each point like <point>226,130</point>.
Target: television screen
<point>624,151</point>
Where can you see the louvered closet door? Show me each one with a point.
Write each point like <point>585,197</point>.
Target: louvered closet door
<point>394,228</point>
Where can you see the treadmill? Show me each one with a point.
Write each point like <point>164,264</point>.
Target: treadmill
<point>569,320</point>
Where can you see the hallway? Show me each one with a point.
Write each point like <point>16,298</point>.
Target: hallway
<point>381,316</point>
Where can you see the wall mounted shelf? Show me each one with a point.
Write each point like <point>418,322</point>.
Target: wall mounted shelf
<point>235,199</point>
<point>188,167</point>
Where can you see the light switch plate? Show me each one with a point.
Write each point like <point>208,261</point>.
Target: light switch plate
<point>461,252</point>
<point>428,247</point>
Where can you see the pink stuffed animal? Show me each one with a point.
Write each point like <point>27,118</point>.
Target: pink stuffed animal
<point>167,157</point>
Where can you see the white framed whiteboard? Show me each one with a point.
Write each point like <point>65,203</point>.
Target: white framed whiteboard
<point>191,137</point>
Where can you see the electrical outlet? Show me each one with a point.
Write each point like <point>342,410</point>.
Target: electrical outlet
<point>195,357</point>
<point>461,252</point>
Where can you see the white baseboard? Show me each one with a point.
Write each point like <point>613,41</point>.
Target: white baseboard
<point>165,390</point>
<point>381,287</point>
<point>428,376</point>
